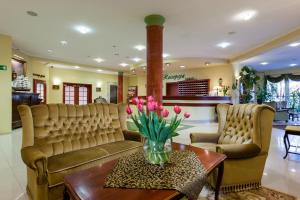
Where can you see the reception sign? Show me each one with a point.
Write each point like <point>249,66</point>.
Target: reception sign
<point>174,77</point>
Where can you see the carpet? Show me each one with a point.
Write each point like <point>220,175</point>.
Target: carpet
<point>260,194</point>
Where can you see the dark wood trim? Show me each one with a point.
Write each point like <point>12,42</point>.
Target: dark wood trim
<point>76,95</point>
<point>196,98</point>
<point>35,82</point>
<point>226,98</point>
<point>192,104</point>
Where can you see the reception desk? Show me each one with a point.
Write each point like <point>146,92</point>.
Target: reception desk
<point>201,108</point>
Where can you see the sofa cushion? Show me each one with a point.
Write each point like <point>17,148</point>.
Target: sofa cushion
<point>207,146</point>
<point>62,164</point>
<point>60,128</point>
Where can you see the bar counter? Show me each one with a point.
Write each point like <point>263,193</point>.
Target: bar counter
<point>201,108</point>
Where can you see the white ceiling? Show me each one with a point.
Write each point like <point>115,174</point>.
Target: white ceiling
<point>279,58</point>
<point>192,28</point>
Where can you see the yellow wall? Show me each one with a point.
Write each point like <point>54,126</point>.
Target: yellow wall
<point>5,84</point>
<point>213,73</point>
<point>74,76</point>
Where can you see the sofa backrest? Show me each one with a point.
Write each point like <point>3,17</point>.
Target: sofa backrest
<point>58,128</point>
<point>245,124</point>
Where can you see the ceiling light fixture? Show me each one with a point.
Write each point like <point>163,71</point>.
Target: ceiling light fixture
<point>124,64</point>
<point>165,55</point>
<point>50,51</point>
<point>32,13</point>
<point>76,67</point>
<point>99,70</point>
<point>294,44</point>
<point>293,65</point>
<point>136,59</point>
<point>264,63</point>
<point>83,29</point>
<point>245,15</point>
<point>182,66</point>
<point>140,47</point>
<point>63,42</point>
<point>98,60</point>
<point>224,45</point>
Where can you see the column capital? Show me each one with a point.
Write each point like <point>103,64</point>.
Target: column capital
<point>120,73</point>
<point>154,19</point>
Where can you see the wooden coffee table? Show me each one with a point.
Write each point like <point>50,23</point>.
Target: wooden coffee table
<point>89,184</point>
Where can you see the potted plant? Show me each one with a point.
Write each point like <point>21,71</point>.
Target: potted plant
<point>155,129</point>
<point>262,95</point>
<point>248,79</point>
<point>225,89</point>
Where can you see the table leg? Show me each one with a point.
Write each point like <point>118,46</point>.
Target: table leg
<point>66,195</point>
<point>285,145</point>
<point>219,180</point>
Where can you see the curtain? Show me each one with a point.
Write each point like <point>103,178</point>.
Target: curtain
<point>293,77</point>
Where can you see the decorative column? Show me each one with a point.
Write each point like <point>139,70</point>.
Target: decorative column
<point>120,87</point>
<point>5,82</point>
<point>154,56</point>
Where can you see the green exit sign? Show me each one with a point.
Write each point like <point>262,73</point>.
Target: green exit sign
<point>3,67</point>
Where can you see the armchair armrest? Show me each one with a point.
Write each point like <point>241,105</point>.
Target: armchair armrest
<point>35,160</point>
<point>132,135</point>
<point>204,137</point>
<point>236,151</point>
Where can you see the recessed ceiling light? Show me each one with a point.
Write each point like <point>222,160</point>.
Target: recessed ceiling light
<point>264,63</point>
<point>99,70</point>
<point>182,66</point>
<point>224,45</point>
<point>124,64</point>
<point>83,29</point>
<point>98,60</point>
<point>32,13</point>
<point>50,51</point>
<point>294,44</point>
<point>165,55</point>
<point>136,59</point>
<point>245,15</point>
<point>293,65</point>
<point>140,47</point>
<point>63,42</point>
<point>76,67</point>
<point>167,64</point>
<point>293,170</point>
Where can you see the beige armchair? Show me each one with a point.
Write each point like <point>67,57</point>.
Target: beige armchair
<point>243,135</point>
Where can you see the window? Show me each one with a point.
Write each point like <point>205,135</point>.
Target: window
<point>277,90</point>
<point>79,94</point>
<point>39,86</point>
<point>83,95</point>
<point>69,94</point>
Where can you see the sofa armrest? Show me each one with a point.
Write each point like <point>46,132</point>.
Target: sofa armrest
<point>37,161</point>
<point>236,151</point>
<point>132,135</point>
<point>204,137</point>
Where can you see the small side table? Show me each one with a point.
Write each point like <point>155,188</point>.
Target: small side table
<point>290,130</point>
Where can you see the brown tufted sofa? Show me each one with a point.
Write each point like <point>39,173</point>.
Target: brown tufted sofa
<point>244,135</point>
<point>60,139</point>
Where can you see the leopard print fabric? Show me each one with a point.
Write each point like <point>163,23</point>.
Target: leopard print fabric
<point>184,173</point>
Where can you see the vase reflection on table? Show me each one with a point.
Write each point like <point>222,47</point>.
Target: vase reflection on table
<point>154,128</point>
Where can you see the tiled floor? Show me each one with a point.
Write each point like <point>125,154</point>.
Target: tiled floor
<point>280,174</point>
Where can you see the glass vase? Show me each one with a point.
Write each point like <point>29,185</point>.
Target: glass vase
<point>157,153</point>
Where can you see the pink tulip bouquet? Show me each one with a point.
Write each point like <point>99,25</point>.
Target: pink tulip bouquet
<point>154,127</point>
